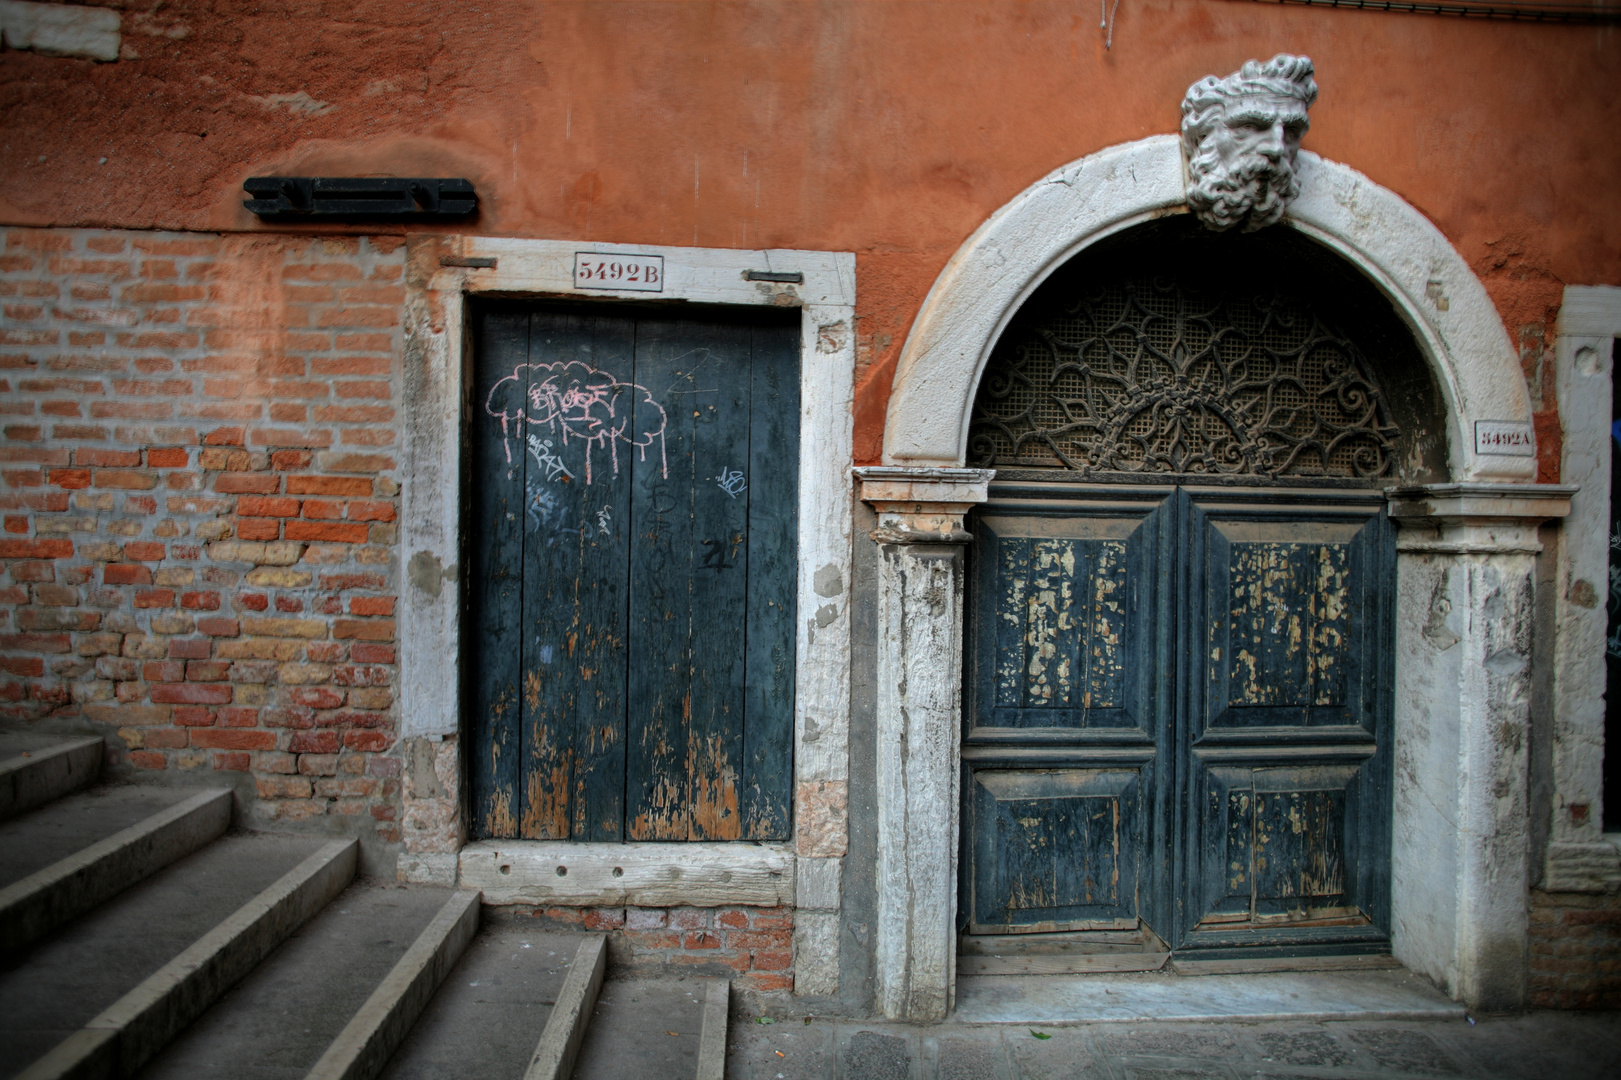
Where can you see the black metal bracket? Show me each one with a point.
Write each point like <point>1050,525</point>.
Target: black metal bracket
<point>283,198</point>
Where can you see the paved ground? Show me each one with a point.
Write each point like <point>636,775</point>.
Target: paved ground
<point>1539,1046</point>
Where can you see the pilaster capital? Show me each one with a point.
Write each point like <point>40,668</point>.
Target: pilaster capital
<point>922,505</point>
<point>1476,518</point>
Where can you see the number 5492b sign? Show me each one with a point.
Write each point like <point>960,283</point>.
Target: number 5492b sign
<point>632,273</point>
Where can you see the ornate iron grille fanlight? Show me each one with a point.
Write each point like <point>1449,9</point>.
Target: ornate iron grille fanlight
<point>1152,377</point>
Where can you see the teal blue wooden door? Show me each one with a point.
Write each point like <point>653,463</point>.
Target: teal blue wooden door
<point>1178,711</point>
<point>632,529</point>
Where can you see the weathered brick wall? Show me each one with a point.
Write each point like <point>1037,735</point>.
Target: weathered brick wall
<point>198,496</point>
<point>1575,950</point>
<point>753,946</point>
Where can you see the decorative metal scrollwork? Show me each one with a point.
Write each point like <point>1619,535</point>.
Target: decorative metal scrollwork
<point>1153,377</point>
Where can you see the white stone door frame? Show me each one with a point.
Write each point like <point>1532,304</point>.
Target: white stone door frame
<point>1579,858</point>
<point>443,272</point>
<point>1460,849</point>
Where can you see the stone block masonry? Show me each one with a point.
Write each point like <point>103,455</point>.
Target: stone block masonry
<point>198,500</point>
<point>753,947</point>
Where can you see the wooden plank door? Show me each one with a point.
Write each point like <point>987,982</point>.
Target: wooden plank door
<point>1178,710</point>
<point>1063,753</point>
<point>632,524</point>
<point>1284,725</point>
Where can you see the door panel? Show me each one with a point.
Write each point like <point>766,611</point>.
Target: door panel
<point>1284,731</point>
<point>1065,720</point>
<point>1060,848</point>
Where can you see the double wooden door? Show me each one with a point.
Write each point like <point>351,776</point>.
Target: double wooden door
<point>632,527</point>
<point>1178,712</point>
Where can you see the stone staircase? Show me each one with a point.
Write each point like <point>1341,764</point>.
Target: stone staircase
<point>141,936</point>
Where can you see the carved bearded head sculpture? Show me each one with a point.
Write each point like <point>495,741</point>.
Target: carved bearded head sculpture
<point>1240,135</point>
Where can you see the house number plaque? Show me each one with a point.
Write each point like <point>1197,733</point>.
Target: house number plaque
<point>1508,437</point>
<point>621,273</point>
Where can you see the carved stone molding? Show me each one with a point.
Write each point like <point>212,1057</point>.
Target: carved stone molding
<point>1484,519</point>
<point>922,505</point>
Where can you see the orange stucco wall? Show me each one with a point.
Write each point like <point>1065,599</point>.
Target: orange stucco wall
<point>887,129</point>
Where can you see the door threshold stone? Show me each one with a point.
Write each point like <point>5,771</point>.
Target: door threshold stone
<point>1161,996</point>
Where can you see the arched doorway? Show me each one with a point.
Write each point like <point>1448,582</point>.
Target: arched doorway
<point>1178,676</point>
<point>1465,562</point>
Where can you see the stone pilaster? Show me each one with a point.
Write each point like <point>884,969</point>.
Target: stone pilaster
<point>919,719</point>
<point>1460,858</point>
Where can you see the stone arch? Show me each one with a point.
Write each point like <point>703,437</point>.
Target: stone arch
<point>1002,264</point>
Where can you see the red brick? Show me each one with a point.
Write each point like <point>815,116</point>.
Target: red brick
<point>25,666</point>
<point>288,460</point>
<point>244,483</point>
<point>193,716</point>
<point>232,762</point>
<point>200,601</point>
<point>371,605</point>
<point>36,549</point>
<point>143,551</point>
<point>125,574</point>
<point>71,478</point>
<point>314,742</point>
<point>370,741</point>
<point>191,693</point>
<point>370,511</point>
<point>219,627</point>
<point>238,716</point>
<point>165,738</point>
<point>146,759</point>
<point>323,510</point>
<point>328,485</point>
<point>225,436</point>
<point>259,529</point>
<point>233,739</point>
<point>601,919</point>
<point>364,630</point>
<point>353,581</point>
<point>163,671</point>
<point>250,506</point>
<point>207,670</point>
<point>190,648</point>
<point>125,479</point>
<point>36,643</point>
<point>154,598</point>
<point>329,531</point>
<point>759,939</point>
<point>772,960</point>
<point>363,653</point>
<point>170,457</point>
<point>289,604</point>
<point>316,697</point>
<point>765,982</point>
<point>253,601</point>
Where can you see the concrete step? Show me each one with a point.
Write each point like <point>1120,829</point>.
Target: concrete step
<point>644,1028</point>
<point>34,769</point>
<point>491,1009</point>
<point>278,1021</point>
<point>57,893</point>
<point>34,840</point>
<point>53,989</point>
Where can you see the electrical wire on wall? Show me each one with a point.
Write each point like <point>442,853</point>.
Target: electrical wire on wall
<point>1106,15</point>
